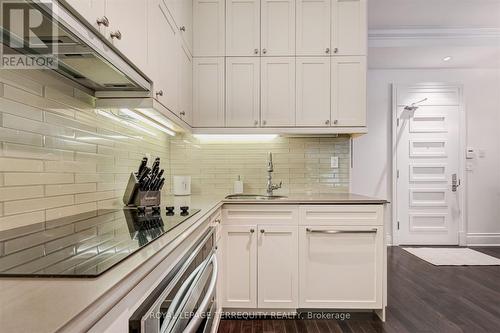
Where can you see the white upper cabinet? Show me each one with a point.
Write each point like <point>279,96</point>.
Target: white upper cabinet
<point>313,27</point>
<point>348,91</point>
<point>208,91</point>
<point>208,27</point>
<point>278,91</point>
<point>313,91</point>
<point>128,28</point>
<point>94,11</point>
<point>182,13</point>
<point>278,27</point>
<point>242,91</point>
<point>349,27</point>
<point>242,27</point>
<point>186,86</point>
<point>164,70</point>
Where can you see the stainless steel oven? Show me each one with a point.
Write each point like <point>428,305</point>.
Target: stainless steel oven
<point>185,300</point>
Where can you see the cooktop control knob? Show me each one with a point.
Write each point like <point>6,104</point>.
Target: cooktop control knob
<point>170,210</point>
<point>184,210</point>
<point>141,210</point>
<point>156,210</point>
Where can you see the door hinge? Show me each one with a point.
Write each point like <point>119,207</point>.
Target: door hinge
<point>398,225</point>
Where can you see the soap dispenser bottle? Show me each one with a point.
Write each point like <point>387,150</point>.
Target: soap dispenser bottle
<point>238,186</point>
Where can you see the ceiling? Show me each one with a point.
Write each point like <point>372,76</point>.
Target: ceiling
<point>420,33</point>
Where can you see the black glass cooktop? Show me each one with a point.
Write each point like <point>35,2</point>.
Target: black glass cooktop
<point>84,245</point>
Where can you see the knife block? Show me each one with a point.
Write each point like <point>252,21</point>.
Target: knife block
<point>133,196</point>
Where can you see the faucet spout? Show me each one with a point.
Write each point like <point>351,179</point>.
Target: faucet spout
<point>270,169</point>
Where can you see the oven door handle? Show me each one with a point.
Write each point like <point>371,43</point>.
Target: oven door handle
<point>198,316</point>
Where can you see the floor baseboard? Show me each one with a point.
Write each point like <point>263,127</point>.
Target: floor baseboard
<point>483,239</point>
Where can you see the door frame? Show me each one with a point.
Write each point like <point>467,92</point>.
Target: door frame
<point>462,130</point>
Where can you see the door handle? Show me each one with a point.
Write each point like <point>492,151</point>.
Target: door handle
<point>455,182</point>
<point>371,231</point>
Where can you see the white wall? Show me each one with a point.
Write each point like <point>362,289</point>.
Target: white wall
<point>372,169</point>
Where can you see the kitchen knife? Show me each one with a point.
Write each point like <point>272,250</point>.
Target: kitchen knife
<point>144,162</point>
<point>160,185</point>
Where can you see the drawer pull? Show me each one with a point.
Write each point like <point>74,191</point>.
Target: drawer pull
<point>372,231</point>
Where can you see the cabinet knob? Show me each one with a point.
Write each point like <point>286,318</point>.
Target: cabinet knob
<point>159,93</point>
<point>327,50</point>
<point>262,231</point>
<point>183,29</point>
<point>335,122</point>
<point>252,231</point>
<point>335,50</point>
<point>327,122</point>
<point>256,51</point>
<point>256,122</point>
<point>264,51</point>
<point>217,221</point>
<point>182,113</point>
<point>264,122</point>
<point>103,21</point>
<point>116,34</point>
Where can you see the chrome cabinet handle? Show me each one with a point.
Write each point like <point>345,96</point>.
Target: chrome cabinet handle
<point>183,29</point>
<point>262,231</point>
<point>116,34</point>
<point>455,182</point>
<point>103,21</point>
<point>252,231</point>
<point>327,122</point>
<point>217,221</point>
<point>264,51</point>
<point>371,231</point>
<point>327,50</point>
<point>159,93</point>
<point>182,113</point>
<point>264,122</point>
<point>335,50</point>
<point>255,51</point>
<point>335,122</point>
<point>256,122</point>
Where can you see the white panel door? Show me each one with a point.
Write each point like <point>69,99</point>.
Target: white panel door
<point>313,27</point>
<point>313,91</point>
<point>208,92</point>
<point>277,267</point>
<point>91,10</point>
<point>340,267</point>
<point>427,157</point>
<point>278,27</point>
<point>239,278</point>
<point>348,91</point>
<point>242,91</point>
<point>129,20</point>
<point>208,30</point>
<point>349,27</point>
<point>186,85</point>
<point>242,27</point>
<point>164,70</point>
<point>278,91</point>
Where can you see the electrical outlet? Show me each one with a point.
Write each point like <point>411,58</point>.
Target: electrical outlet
<point>334,162</point>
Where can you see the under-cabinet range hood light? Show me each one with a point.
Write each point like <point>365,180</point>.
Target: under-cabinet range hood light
<point>152,123</point>
<point>127,122</point>
<point>228,138</point>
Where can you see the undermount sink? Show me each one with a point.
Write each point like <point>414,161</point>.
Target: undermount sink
<point>254,197</point>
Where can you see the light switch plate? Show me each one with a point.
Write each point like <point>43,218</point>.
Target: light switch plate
<point>334,162</point>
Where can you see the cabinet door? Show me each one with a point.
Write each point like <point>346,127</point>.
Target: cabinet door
<point>349,27</point>
<point>277,267</point>
<point>278,91</point>
<point>313,27</point>
<point>208,30</point>
<point>278,27</point>
<point>239,278</point>
<point>208,92</point>
<point>242,91</point>
<point>128,18</point>
<point>186,85</point>
<point>164,69</point>
<point>242,27</point>
<point>186,24</point>
<point>349,91</point>
<point>91,10</point>
<point>313,91</point>
<point>341,267</point>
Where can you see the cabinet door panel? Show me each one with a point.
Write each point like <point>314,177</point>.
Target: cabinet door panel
<point>91,10</point>
<point>240,266</point>
<point>242,27</point>
<point>129,17</point>
<point>349,91</point>
<point>349,27</point>
<point>313,27</point>
<point>242,91</point>
<point>341,270</point>
<point>164,70</point>
<point>278,27</point>
<point>313,91</point>
<point>208,92</point>
<point>186,85</point>
<point>208,31</point>
<point>277,267</point>
<point>278,91</point>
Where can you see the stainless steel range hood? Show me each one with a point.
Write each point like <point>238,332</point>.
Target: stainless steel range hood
<point>84,57</point>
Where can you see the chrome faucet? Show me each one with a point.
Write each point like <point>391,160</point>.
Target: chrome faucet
<point>270,168</point>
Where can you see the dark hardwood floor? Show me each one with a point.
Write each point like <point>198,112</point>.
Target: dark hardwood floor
<point>422,298</point>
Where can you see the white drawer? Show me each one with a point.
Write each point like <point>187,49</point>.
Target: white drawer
<point>341,215</point>
<point>267,214</point>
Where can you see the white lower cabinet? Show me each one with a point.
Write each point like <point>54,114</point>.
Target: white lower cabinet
<point>340,267</point>
<point>277,267</point>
